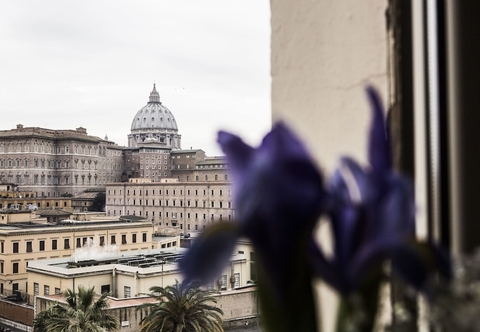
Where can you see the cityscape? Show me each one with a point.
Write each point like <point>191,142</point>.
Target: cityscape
<point>317,156</point>
<point>156,198</point>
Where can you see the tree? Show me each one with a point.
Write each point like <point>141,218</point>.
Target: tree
<point>98,203</point>
<point>182,308</point>
<point>80,313</point>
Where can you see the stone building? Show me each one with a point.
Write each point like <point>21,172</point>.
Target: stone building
<point>154,134</point>
<point>168,185</point>
<point>54,163</point>
<point>189,205</point>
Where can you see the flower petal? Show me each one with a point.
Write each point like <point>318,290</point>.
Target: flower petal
<point>395,210</point>
<point>238,153</point>
<point>209,253</point>
<point>351,183</point>
<point>379,150</point>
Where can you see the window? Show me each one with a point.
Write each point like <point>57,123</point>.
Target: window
<point>35,288</point>
<point>144,237</point>
<point>15,267</point>
<point>124,239</point>
<point>1,267</point>
<point>79,243</point>
<point>112,240</point>
<point>66,244</point>
<point>41,244</point>
<point>54,244</point>
<point>222,282</point>
<point>2,247</point>
<point>134,238</point>
<point>126,291</point>
<point>102,241</point>
<point>237,280</point>
<point>58,290</point>
<point>105,289</point>
<point>46,290</point>
<point>29,246</point>
<point>15,247</point>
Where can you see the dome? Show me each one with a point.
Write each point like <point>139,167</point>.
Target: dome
<point>154,116</point>
<point>154,124</point>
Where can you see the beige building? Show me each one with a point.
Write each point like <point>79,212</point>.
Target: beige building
<point>14,199</point>
<point>24,243</point>
<point>240,308</point>
<point>190,205</point>
<point>128,274</point>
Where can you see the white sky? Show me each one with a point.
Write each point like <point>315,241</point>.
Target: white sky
<point>66,64</point>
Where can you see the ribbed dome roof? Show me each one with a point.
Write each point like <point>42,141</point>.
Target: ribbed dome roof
<point>154,115</point>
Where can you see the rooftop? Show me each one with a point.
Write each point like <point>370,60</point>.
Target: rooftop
<point>102,260</point>
<point>70,224</point>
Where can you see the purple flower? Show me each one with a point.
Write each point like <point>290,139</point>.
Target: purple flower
<point>278,195</point>
<point>372,213</point>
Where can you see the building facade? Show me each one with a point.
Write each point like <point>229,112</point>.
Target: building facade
<point>189,205</point>
<point>24,242</point>
<point>54,163</point>
<point>132,273</point>
<point>240,308</point>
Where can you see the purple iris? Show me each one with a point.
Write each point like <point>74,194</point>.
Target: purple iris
<point>372,213</point>
<point>278,196</point>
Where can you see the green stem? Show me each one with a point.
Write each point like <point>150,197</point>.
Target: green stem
<point>359,313</point>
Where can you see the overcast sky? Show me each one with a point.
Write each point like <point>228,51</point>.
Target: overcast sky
<point>66,64</point>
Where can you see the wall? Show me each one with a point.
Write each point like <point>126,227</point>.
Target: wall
<point>17,313</point>
<point>322,55</point>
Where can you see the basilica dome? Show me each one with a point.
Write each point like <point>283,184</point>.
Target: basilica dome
<point>154,115</point>
<point>154,124</point>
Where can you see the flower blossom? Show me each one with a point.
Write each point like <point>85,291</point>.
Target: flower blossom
<point>372,213</point>
<point>278,197</point>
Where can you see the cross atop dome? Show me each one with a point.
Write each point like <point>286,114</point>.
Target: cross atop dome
<point>154,95</point>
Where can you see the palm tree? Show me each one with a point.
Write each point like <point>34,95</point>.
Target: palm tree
<point>81,313</point>
<point>182,308</point>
